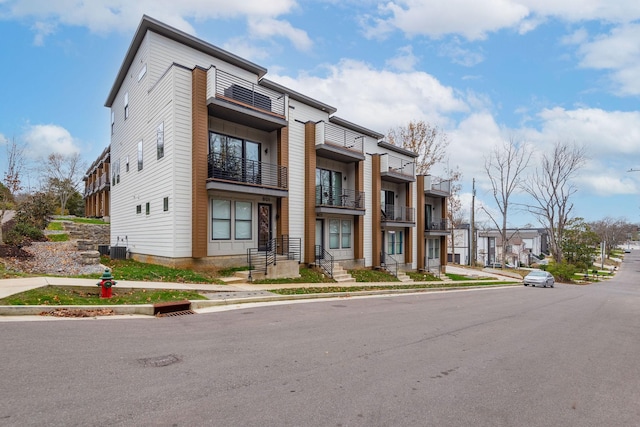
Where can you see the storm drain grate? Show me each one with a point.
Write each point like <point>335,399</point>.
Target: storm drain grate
<point>176,313</point>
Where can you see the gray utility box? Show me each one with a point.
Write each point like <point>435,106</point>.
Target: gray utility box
<point>118,252</point>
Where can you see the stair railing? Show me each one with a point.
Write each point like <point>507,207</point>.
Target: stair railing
<point>324,260</point>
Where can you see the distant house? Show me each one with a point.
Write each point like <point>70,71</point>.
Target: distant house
<point>97,184</point>
<point>212,164</point>
<point>523,248</point>
<point>459,251</point>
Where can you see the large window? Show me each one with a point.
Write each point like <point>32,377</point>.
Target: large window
<point>433,248</point>
<point>231,218</point>
<point>339,234</point>
<point>234,159</point>
<point>160,140</point>
<point>126,105</point>
<point>388,200</point>
<point>243,220</point>
<point>395,242</point>
<point>328,187</point>
<point>220,219</point>
<point>140,155</point>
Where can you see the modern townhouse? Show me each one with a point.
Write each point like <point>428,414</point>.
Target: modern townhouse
<point>212,164</point>
<point>96,187</point>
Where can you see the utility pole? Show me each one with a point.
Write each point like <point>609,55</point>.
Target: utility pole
<point>472,258</point>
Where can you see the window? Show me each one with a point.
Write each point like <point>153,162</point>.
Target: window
<point>113,121</point>
<point>118,172</point>
<point>126,105</point>
<point>113,174</point>
<point>165,204</point>
<point>148,208</point>
<point>140,155</point>
<point>243,220</point>
<point>433,248</point>
<point>234,159</point>
<point>339,234</point>
<point>388,200</point>
<point>126,163</point>
<point>139,209</point>
<point>394,245</point>
<point>160,140</point>
<point>346,234</point>
<point>328,187</point>
<point>220,219</point>
<point>428,217</point>
<point>142,72</point>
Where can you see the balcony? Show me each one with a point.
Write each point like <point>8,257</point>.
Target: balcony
<point>240,101</point>
<point>396,169</point>
<point>339,143</point>
<point>342,201</point>
<point>440,227</point>
<point>399,216</point>
<point>436,186</point>
<point>103,181</point>
<point>242,175</point>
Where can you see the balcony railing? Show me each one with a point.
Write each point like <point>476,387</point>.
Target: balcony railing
<point>395,213</point>
<point>399,166</point>
<point>331,196</point>
<point>238,169</point>
<point>242,91</point>
<point>439,225</point>
<point>340,136</point>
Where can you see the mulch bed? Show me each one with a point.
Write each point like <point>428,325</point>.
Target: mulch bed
<point>8,251</point>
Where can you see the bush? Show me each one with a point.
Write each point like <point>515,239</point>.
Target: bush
<point>562,272</point>
<point>22,233</point>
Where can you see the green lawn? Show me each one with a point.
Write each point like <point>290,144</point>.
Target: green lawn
<point>66,295</point>
<point>328,289</point>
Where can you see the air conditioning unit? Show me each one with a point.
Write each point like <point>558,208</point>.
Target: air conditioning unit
<point>118,252</point>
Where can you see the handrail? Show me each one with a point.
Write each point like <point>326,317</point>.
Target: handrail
<point>397,213</point>
<point>324,260</point>
<point>389,263</point>
<point>331,196</point>
<point>259,259</point>
<point>234,168</point>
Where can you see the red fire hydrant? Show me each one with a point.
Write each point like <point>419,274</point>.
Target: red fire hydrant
<point>105,283</point>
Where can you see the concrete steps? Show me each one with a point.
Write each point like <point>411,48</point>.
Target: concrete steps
<point>340,275</point>
<point>404,278</point>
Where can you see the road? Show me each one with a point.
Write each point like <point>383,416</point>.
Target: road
<point>515,356</point>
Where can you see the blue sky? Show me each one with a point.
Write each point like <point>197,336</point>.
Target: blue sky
<point>535,71</point>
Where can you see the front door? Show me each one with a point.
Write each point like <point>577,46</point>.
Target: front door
<point>264,226</point>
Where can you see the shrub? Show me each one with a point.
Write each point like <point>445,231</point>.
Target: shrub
<point>563,271</point>
<point>22,233</point>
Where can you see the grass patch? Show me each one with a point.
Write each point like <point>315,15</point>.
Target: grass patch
<point>128,269</point>
<point>55,226</point>
<point>228,272</point>
<point>307,275</point>
<point>63,237</point>
<point>88,221</point>
<point>66,295</point>
<point>460,277</point>
<point>370,275</point>
<point>346,289</point>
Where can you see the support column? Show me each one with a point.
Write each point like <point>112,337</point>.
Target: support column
<point>199,144</point>
<point>282,205</point>
<point>309,192</point>
<point>376,228</point>
<point>420,222</point>
<point>358,220</point>
<point>408,246</point>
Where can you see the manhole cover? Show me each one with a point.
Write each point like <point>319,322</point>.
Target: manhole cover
<point>160,361</point>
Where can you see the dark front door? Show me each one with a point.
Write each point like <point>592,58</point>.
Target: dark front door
<point>264,226</point>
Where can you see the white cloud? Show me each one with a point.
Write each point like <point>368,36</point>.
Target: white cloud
<point>104,16</point>
<point>269,27</point>
<point>379,99</point>
<point>405,60</point>
<point>460,55</point>
<point>42,140</point>
<point>3,139</point>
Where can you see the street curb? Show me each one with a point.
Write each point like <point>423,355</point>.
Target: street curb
<point>147,309</point>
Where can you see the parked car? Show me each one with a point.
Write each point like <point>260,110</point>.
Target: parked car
<point>539,278</point>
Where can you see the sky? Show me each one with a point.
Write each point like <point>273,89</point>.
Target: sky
<point>536,72</point>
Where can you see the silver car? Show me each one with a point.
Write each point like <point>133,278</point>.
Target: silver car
<point>539,278</point>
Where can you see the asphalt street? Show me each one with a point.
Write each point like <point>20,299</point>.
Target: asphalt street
<point>513,356</point>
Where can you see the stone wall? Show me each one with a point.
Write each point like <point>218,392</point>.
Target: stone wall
<point>99,234</point>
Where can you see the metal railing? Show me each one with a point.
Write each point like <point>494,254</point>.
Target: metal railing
<point>398,213</point>
<point>439,225</point>
<point>324,260</point>
<point>331,196</point>
<point>401,166</point>
<point>284,247</point>
<point>389,263</point>
<point>243,91</point>
<point>232,168</point>
<point>343,137</point>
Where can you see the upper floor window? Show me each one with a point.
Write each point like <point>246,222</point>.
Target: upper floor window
<point>329,187</point>
<point>140,155</point>
<point>234,159</point>
<point>113,121</point>
<point>126,105</point>
<point>160,140</point>
<point>142,72</point>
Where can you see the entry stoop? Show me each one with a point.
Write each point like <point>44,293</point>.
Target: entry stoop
<point>404,278</point>
<point>340,275</point>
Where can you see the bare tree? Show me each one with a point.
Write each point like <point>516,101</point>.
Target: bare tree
<point>505,166</point>
<point>612,232</point>
<point>429,142</point>
<point>63,174</point>
<point>12,179</point>
<point>454,205</point>
<point>551,188</point>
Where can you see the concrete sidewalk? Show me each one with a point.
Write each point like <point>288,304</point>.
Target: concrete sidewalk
<point>217,294</point>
